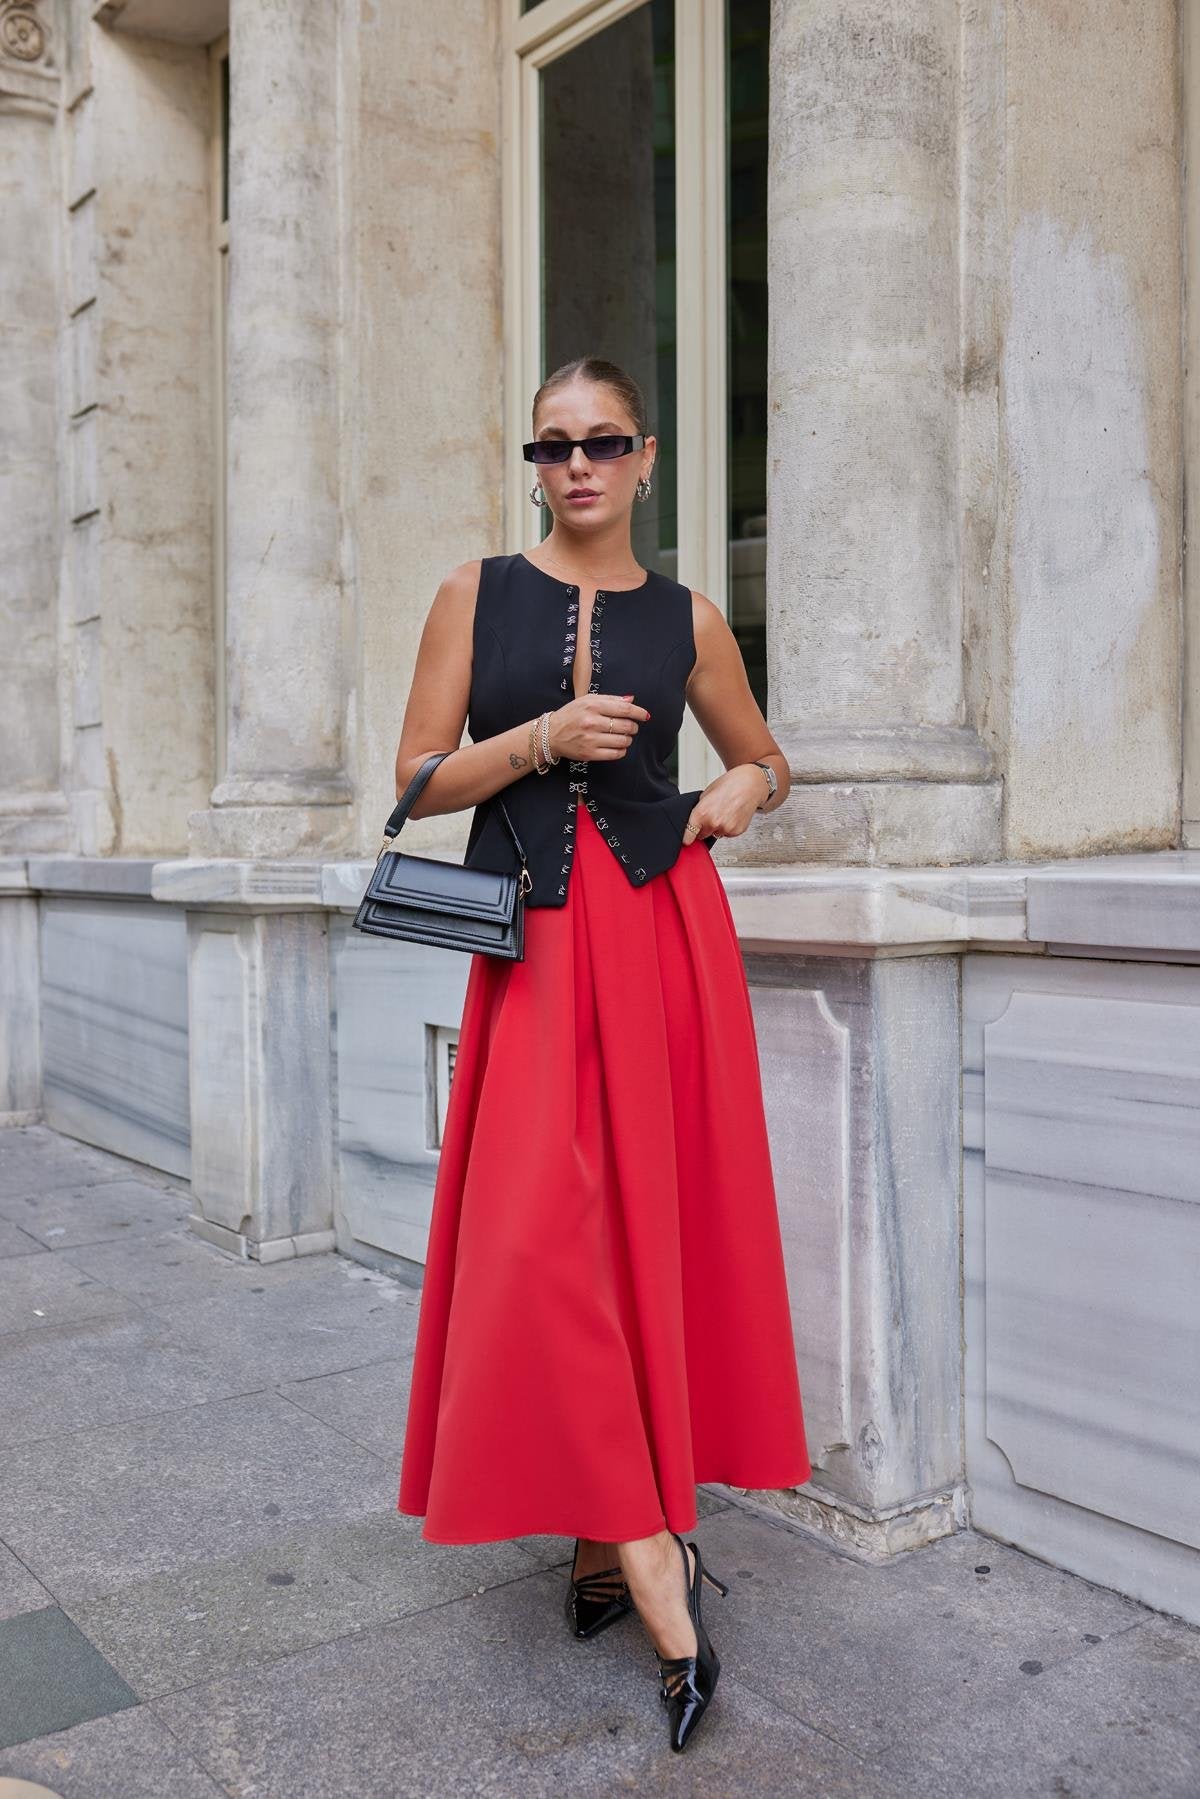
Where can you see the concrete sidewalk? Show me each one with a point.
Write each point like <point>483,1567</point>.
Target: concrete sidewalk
<point>205,1588</point>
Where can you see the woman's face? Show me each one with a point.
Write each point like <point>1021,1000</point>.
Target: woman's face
<point>589,409</point>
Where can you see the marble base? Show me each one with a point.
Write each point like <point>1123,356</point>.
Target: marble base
<point>860,1065</point>
<point>262,1077</point>
<point>254,1249</point>
<point>869,1536</point>
<point>20,1012</point>
<point>1082,1266</point>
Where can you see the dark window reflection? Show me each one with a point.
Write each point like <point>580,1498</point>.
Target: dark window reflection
<point>224,139</point>
<point>608,232</point>
<point>748,66</point>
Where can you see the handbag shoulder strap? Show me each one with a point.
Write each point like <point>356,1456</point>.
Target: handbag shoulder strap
<point>408,800</point>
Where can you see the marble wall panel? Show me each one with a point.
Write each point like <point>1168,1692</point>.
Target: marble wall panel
<point>1082,1259</point>
<point>389,997</point>
<point>115,1027</point>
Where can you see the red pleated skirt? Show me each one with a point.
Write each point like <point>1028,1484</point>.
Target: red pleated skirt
<point>604,1319</point>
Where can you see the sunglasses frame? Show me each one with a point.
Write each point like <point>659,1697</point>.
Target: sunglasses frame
<point>636,442</point>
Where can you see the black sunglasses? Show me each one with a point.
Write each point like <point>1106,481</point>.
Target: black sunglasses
<point>596,449</point>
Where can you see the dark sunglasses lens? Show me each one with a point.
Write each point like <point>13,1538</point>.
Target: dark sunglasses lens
<point>548,449</point>
<point>604,449</point>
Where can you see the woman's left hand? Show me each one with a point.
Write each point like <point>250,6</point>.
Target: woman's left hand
<point>727,804</point>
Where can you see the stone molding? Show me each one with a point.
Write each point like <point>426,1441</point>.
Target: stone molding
<point>29,63</point>
<point>1144,904</point>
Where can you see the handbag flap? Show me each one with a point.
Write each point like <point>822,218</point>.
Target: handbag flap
<point>422,881</point>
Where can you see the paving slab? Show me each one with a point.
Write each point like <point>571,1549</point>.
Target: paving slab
<point>106,1211</point>
<point>19,1591</point>
<point>16,1242</point>
<point>72,1377</point>
<point>491,1695</point>
<point>91,1511</point>
<point>51,1677</point>
<point>1122,1720</point>
<point>36,1158</point>
<point>870,1654</point>
<point>172,1267</point>
<point>127,1755</point>
<point>369,1404</point>
<point>42,1290</point>
<point>230,1612</point>
<point>343,1316</point>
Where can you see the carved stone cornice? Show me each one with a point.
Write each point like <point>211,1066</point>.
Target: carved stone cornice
<point>29,61</point>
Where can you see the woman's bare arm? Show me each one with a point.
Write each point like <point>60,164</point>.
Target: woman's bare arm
<point>438,703</point>
<point>723,701</point>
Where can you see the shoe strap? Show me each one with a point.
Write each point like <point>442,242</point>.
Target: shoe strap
<point>601,1584</point>
<point>677,1674</point>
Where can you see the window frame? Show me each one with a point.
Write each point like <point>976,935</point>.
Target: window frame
<point>532,40</point>
<point>218,52</point>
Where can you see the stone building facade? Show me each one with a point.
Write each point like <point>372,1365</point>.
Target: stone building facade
<point>909,285</point>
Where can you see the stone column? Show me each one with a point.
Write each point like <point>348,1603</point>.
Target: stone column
<point>865,664</point>
<point>284,789</point>
<point>32,804</point>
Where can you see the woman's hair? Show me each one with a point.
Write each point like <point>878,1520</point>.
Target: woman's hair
<point>607,374</point>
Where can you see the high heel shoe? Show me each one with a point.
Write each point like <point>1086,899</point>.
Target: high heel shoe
<point>688,1682</point>
<point>594,1601</point>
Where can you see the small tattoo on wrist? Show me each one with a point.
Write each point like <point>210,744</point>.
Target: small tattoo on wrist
<point>516,761</point>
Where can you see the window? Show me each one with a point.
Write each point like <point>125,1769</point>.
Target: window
<point>748,66</point>
<point>660,266</point>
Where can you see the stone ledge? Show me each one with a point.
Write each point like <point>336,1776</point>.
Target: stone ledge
<point>1146,902</point>
<point>14,876</point>
<point>1141,903</point>
<point>108,877</point>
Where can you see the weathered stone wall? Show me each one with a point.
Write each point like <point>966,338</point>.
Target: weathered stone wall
<point>137,439</point>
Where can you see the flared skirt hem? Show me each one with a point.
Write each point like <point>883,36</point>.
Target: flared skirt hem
<point>623,1533</point>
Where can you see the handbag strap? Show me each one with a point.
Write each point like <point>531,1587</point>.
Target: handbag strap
<point>408,800</point>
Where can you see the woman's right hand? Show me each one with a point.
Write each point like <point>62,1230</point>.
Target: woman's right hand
<point>597,728</point>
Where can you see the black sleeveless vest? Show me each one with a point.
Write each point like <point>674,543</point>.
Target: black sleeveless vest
<point>524,651</point>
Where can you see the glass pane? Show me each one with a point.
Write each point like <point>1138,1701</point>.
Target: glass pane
<point>608,231</point>
<point>224,139</point>
<point>747,25</point>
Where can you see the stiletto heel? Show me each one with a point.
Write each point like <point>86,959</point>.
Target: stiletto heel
<point>594,1601</point>
<point>688,1682</point>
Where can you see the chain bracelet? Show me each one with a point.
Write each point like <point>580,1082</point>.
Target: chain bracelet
<point>552,760</point>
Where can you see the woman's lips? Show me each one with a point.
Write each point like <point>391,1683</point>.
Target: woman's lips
<point>582,499</point>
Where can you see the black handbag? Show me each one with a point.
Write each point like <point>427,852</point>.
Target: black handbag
<point>442,903</point>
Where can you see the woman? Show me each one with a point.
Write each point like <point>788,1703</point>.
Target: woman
<point>604,1319</point>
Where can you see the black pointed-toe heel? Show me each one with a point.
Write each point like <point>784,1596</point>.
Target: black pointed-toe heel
<point>594,1601</point>
<point>688,1682</point>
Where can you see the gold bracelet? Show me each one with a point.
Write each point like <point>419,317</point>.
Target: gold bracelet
<point>533,753</point>
<point>551,758</point>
